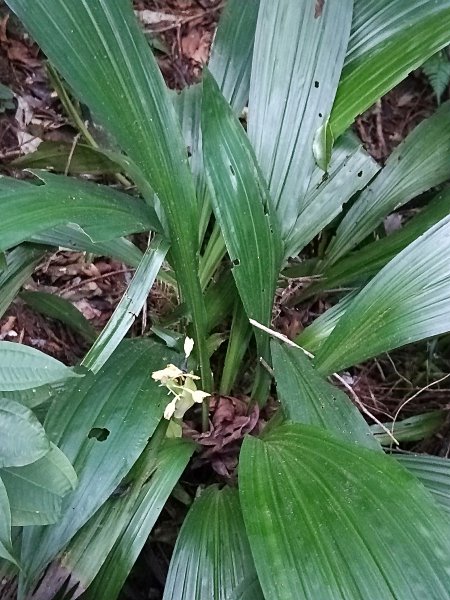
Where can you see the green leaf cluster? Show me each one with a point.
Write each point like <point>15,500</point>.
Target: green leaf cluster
<point>231,200</point>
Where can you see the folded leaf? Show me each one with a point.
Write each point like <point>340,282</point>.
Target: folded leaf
<point>232,51</point>
<point>102,212</point>
<point>433,472</point>
<point>381,51</point>
<point>339,521</point>
<point>20,265</point>
<point>172,461</point>
<point>62,157</point>
<point>350,170</point>
<point>416,165</point>
<point>36,490</point>
<point>307,398</point>
<point>408,300</point>
<point>129,306</point>
<point>5,526</point>
<point>241,205</point>
<point>23,367</point>
<point>212,556</point>
<point>73,237</point>
<point>22,437</point>
<point>103,55</point>
<point>102,424</point>
<point>361,264</point>
<point>298,57</point>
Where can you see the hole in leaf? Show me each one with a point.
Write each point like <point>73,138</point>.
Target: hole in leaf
<point>320,115</point>
<point>99,433</point>
<point>236,262</point>
<point>316,84</point>
<point>360,174</point>
<point>232,170</point>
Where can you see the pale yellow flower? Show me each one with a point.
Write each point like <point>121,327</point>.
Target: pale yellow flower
<point>181,385</point>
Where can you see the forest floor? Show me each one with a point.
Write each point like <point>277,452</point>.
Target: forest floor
<point>181,32</point>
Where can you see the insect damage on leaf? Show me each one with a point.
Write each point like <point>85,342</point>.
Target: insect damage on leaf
<point>318,10</point>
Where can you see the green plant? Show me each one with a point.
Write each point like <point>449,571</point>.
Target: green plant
<point>320,510</point>
<point>437,70</point>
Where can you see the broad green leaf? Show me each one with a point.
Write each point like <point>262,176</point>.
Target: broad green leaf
<point>241,205</point>
<point>408,300</point>
<point>307,398</point>
<point>20,265</point>
<point>412,429</point>
<point>36,490</point>
<point>129,306</point>
<point>312,336</point>
<point>103,213</point>
<point>73,237</point>
<point>22,437</point>
<point>349,171</point>
<point>367,261</point>
<point>338,521</point>
<point>66,158</point>
<point>6,548</point>
<point>61,309</point>
<point>390,38</point>
<point>416,165</point>
<point>291,96</point>
<point>212,556</point>
<point>188,105</point>
<point>102,423</point>
<point>433,472</point>
<point>100,51</point>
<point>22,367</point>
<point>232,51</point>
<point>33,397</point>
<point>172,461</point>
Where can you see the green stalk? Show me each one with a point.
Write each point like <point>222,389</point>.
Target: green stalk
<point>212,256</point>
<point>240,336</point>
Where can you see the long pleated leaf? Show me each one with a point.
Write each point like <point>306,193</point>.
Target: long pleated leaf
<point>212,555</point>
<point>307,398</point>
<point>100,556</point>
<point>241,205</point>
<point>72,237</point>
<point>22,367</point>
<point>99,49</point>
<point>433,472</point>
<point>390,38</point>
<point>408,300</point>
<point>172,461</point>
<point>337,521</point>
<point>298,56</point>
<point>366,262</point>
<point>102,424</point>
<point>232,51</point>
<point>312,336</point>
<point>129,306</point>
<point>102,212</point>
<point>349,171</point>
<point>416,165</point>
<point>36,490</point>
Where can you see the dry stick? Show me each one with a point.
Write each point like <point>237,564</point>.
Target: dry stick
<point>71,153</point>
<point>347,386</point>
<point>408,400</point>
